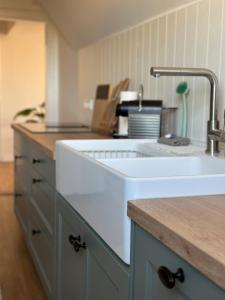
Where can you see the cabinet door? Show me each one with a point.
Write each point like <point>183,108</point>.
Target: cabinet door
<point>42,163</point>
<point>149,287</point>
<point>42,197</point>
<point>149,255</point>
<point>21,175</point>
<point>21,206</point>
<point>107,276</point>
<point>71,262</point>
<point>92,273</point>
<point>41,248</point>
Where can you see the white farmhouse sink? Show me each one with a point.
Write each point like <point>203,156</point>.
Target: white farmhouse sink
<point>100,188</point>
<point>166,167</point>
<point>122,148</point>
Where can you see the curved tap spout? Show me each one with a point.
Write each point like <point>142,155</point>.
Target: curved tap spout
<point>213,123</point>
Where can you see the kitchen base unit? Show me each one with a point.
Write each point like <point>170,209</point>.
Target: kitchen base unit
<point>160,274</point>
<point>35,205</point>
<point>86,267</point>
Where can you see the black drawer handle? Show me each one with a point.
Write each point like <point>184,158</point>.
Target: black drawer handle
<point>36,161</point>
<point>73,239</point>
<point>35,231</point>
<point>35,180</point>
<point>17,195</point>
<point>18,157</point>
<point>76,243</point>
<point>168,278</point>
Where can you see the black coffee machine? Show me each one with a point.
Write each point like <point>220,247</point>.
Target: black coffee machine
<point>142,118</point>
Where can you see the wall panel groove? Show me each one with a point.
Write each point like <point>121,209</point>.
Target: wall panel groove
<point>192,36</point>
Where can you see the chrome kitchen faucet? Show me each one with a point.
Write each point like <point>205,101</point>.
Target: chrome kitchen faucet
<point>214,134</point>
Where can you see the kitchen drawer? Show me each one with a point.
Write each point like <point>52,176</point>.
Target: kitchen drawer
<point>21,175</point>
<point>21,172</point>
<point>21,145</point>
<point>149,255</point>
<point>43,164</point>
<point>42,196</point>
<point>21,159</point>
<point>41,246</point>
<point>21,205</point>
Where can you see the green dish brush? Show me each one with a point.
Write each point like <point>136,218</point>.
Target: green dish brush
<point>183,90</point>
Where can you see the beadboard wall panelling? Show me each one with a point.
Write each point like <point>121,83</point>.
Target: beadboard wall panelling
<point>190,36</point>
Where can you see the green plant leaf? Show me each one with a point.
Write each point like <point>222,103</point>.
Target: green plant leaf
<point>24,113</point>
<point>40,115</point>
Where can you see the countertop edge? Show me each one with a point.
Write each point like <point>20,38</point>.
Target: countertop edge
<point>207,265</point>
<point>47,140</point>
<point>19,128</point>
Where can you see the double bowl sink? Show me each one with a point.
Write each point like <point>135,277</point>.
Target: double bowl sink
<point>99,177</point>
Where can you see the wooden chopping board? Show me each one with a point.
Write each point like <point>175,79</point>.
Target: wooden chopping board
<point>103,96</point>
<point>109,119</point>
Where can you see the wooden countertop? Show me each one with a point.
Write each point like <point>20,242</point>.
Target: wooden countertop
<point>192,227</point>
<point>47,140</point>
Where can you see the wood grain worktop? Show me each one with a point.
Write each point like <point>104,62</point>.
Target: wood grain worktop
<point>47,140</point>
<point>192,227</point>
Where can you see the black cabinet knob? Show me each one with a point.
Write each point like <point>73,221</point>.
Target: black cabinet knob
<point>72,239</point>
<point>76,243</point>
<point>36,180</point>
<point>36,161</point>
<point>18,157</point>
<point>35,231</point>
<point>17,195</point>
<point>168,278</point>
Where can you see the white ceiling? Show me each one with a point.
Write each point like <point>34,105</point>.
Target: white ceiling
<point>85,21</point>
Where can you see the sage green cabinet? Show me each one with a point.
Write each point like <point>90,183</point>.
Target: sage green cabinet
<point>71,259</point>
<point>74,263</point>
<point>71,265</point>
<point>35,205</point>
<point>41,245</point>
<point>107,276</point>
<point>155,269</point>
<point>21,172</point>
<point>86,268</point>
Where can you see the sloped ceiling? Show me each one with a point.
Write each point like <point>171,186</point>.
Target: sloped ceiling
<point>85,21</point>
<point>19,4</point>
<point>21,9</point>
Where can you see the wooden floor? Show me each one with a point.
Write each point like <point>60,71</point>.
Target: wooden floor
<point>6,178</point>
<point>18,278</point>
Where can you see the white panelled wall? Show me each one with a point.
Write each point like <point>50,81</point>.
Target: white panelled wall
<point>190,36</point>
